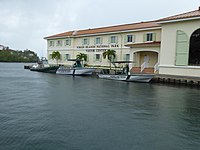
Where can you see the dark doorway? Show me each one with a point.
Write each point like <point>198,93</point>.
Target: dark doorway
<point>194,52</point>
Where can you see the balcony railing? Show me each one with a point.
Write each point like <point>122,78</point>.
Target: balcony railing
<point>156,67</point>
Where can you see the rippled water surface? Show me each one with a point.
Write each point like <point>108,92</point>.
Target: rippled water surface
<point>40,111</point>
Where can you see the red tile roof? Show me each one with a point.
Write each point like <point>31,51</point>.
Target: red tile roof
<point>134,26</point>
<point>191,14</point>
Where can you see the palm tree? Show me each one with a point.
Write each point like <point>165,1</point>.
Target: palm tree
<point>82,57</point>
<point>56,55</point>
<point>110,54</point>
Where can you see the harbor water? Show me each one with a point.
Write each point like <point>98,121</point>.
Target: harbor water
<point>41,111</point>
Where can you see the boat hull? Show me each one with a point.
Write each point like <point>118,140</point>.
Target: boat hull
<point>52,69</point>
<point>113,77</point>
<point>75,71</point>
<point>129,78</point>
<point>140,78</point>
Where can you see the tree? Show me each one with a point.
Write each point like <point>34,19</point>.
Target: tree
<point>110,54</point>
<point>56,55</point>
<point>82,57</point>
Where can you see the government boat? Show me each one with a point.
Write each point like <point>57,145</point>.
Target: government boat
<point>129,78</point>
<point>75,70</point>
<point>124,75</point>
<point>43,66</point>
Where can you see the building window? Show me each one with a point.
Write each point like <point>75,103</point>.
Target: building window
<point>85,42</point>
<point>98,57</point>
<point>194,49</point>
<point>67,56</point>
<point>59,43</point>
<point>150,37</point>
<point>129,38</point>
<point>98,40</point>
<point>113,39</point>
<point>51,43</point>
<point>68,41</point>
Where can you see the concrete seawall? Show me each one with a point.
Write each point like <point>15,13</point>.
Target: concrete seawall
<point>178,80</point>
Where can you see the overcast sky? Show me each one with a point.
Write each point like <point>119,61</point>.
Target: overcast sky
<point>24,23</point>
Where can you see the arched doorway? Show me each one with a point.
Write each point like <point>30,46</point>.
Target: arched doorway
<point>145,61</point>
<point>194,51</point>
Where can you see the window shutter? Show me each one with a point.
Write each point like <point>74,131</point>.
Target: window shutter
<point>69,42</point>
<point>82,41</point>
<point>124,57</point>
<point>101,40</point>
<point>116,37</point>
<point>133,39</point>
<point>182,48</point>
<point>109,39</point>
<point>154,36</point>
<point>94,58</point>
<point>95,41</point>
<point>100,58</point>
<point>145,37</point>
<point>125,38</point>
<point>49,56</point>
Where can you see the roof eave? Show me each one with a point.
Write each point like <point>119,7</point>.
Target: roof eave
<point>105,33</point>
<point>59,37</point>
<point>122,31</point>
<point>178,20</point>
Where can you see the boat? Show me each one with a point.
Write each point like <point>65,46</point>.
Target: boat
<point>129,78</point>
<point>43,66</point>
<point>124,75</point>
<point>140,78</point>
<point>76,70</point>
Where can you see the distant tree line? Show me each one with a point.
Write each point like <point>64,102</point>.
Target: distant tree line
<point>8,55</point>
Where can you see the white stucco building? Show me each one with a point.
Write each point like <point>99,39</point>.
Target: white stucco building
<point>166,46</point>
<point>180,46</point>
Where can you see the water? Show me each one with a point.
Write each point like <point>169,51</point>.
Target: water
<point>41,111</point>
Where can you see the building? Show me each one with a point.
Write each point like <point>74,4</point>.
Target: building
<point>166,46</point>
<point>93,42</point>
<point>180,46</point>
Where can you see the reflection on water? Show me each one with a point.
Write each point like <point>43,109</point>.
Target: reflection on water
<point>49,111</point>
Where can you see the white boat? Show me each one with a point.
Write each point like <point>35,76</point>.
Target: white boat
<point>125,74</point>
<point>140,78</point>
<point>76,70</point>
<point>129,78</point>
